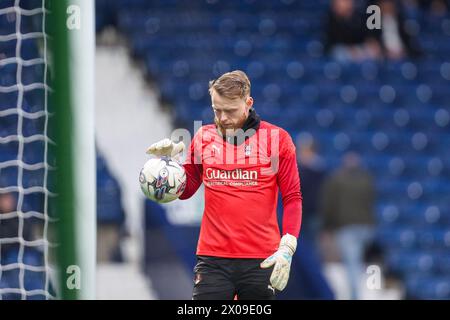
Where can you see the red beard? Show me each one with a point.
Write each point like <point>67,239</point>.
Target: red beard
<point>230,131</point>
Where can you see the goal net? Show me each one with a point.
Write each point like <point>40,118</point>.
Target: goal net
<point>25,270</point>
<point>38,232</point>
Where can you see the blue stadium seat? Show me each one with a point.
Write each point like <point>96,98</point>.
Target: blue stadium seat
<point>7,4</point>
<point>434,238</point>
<point>8,100</point>
<point>29,49</point>
<point>9,176</point>
<point>30,4</point>
<point>428,287</point>
<point>33,202</point>
<point>33,100</point>
<point>8,48</point>
<point>109,202</point>
<point>11,277</point>
<point>32,23</point>
<point>8,74</point>
<point>7,24</point>
<point>33,178</point>
<point>33,74</point>
<point>444,259</point>
<point>397,237</point>
<point>8,125</point>
<point>30,256</point>
<point>33,126</point>
<point>33,152</point>
<point>411,261</point>
<point>8,151</point>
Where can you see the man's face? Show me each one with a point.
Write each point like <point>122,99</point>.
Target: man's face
<point>343,8</point>
<point>230,114</point>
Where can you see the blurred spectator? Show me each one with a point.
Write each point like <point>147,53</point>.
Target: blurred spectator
<point>109,238</point>
<point>8,205</point>
<point>110,214</point>
<point>9,226</point>
<point>307,265</point>
<point>437,8</point>
<point>347,37</point>
<point>347,206</point>
<point>312,169</point>
<point>394,40</point>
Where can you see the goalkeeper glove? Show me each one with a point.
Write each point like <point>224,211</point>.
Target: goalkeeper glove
<point>167,148</point>
<point>282,260</point>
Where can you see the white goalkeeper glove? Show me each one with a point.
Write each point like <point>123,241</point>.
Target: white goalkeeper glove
<point>282,260</point>
<point>167,148</point>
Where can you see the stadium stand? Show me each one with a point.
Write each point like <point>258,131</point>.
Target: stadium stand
<point>395,113</point>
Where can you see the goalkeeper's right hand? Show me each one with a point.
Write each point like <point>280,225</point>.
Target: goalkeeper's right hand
<point>166,147</point>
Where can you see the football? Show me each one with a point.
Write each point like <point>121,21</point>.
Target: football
<point>162,179</point>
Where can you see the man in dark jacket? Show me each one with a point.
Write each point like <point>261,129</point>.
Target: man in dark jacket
<point>347,206</point>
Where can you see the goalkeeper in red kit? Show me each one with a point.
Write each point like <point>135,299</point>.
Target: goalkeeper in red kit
<point>242,162</point>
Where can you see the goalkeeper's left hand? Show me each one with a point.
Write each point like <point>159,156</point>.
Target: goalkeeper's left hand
<point>282,260</point>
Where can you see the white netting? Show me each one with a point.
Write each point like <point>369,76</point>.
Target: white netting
<point>25,271</point>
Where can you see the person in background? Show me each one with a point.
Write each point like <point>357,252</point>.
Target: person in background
<point>393,38</point>
<point>348,197</point>
<point>307,273</point>
<point>9,223</point>
<point>8,226</point>
<point>347,38</point>
<point>437,8</point>
<point>313,169</point>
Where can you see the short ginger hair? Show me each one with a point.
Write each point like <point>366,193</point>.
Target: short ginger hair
<point>231,85</point>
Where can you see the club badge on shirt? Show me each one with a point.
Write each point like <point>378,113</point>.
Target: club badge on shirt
<point>247,150</point>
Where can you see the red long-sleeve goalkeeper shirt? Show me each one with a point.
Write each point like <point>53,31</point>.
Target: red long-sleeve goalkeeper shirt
<point>241,191</point>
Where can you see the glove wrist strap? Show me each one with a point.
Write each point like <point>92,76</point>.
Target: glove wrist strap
<point>289,243</point>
